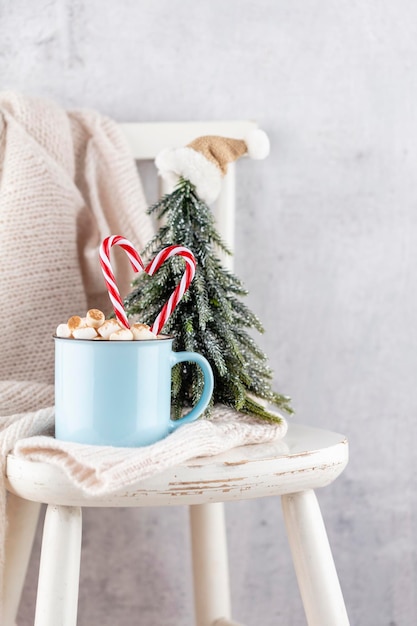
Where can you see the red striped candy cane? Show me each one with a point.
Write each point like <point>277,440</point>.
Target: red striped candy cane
<point>109,278</point>
<point>190,264</point>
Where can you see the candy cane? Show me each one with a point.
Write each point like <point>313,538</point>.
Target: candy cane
<point>109,277</point>
<point>155,264</point>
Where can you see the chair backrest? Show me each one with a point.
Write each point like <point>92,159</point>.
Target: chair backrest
<point>147,139</point>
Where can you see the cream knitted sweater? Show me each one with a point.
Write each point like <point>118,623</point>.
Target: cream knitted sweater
<point>68,181</point>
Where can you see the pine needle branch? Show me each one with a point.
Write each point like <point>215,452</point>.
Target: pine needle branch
<point>211,318</point>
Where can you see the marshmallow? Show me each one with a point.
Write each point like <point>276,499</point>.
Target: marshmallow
<point>124,334</point>
<point>141,332</point>
<point>109,327</point>
<point>75,322</point>
<point>84,333</point>
<point>95,326</point>
<point>95,318</point>
<point>63,331</point>
<point>140,326</point>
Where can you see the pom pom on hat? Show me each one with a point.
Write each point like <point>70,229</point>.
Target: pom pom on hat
<point>204,161</point>
<point>258,144</point>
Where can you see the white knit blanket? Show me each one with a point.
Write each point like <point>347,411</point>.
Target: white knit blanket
<point>98,470</point>
<point>68,181</point>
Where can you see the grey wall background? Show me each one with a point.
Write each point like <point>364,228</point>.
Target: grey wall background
<point>326,232</point>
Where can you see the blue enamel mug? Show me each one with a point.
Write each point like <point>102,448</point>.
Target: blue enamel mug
<point>118,393</point>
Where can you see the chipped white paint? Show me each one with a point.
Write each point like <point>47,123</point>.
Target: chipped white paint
<point>307,458</point>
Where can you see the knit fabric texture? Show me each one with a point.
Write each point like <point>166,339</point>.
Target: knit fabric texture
<point>68,181</point>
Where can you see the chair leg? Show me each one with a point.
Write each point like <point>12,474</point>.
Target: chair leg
<point>59,570</point>
<point>210,564</point>
<point>314,566</point>
<point>22,519</point>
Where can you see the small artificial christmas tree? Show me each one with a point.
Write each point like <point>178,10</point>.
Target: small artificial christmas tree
<point>211,318</point>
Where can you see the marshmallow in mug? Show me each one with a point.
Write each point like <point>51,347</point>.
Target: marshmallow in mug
<point>95,326</point>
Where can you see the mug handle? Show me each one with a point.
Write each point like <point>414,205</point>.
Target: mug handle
<point>200,407</point>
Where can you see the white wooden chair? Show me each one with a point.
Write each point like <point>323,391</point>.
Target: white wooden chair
<point>314,459</point>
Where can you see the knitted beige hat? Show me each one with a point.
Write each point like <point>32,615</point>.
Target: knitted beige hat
<point>204,161</point>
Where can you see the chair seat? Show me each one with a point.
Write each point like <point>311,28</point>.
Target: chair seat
<point>307,458</point>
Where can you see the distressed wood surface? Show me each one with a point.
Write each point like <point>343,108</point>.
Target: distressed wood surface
<point>307,458</point>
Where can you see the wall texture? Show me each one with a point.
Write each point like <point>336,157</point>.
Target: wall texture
<point>326,232</point>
